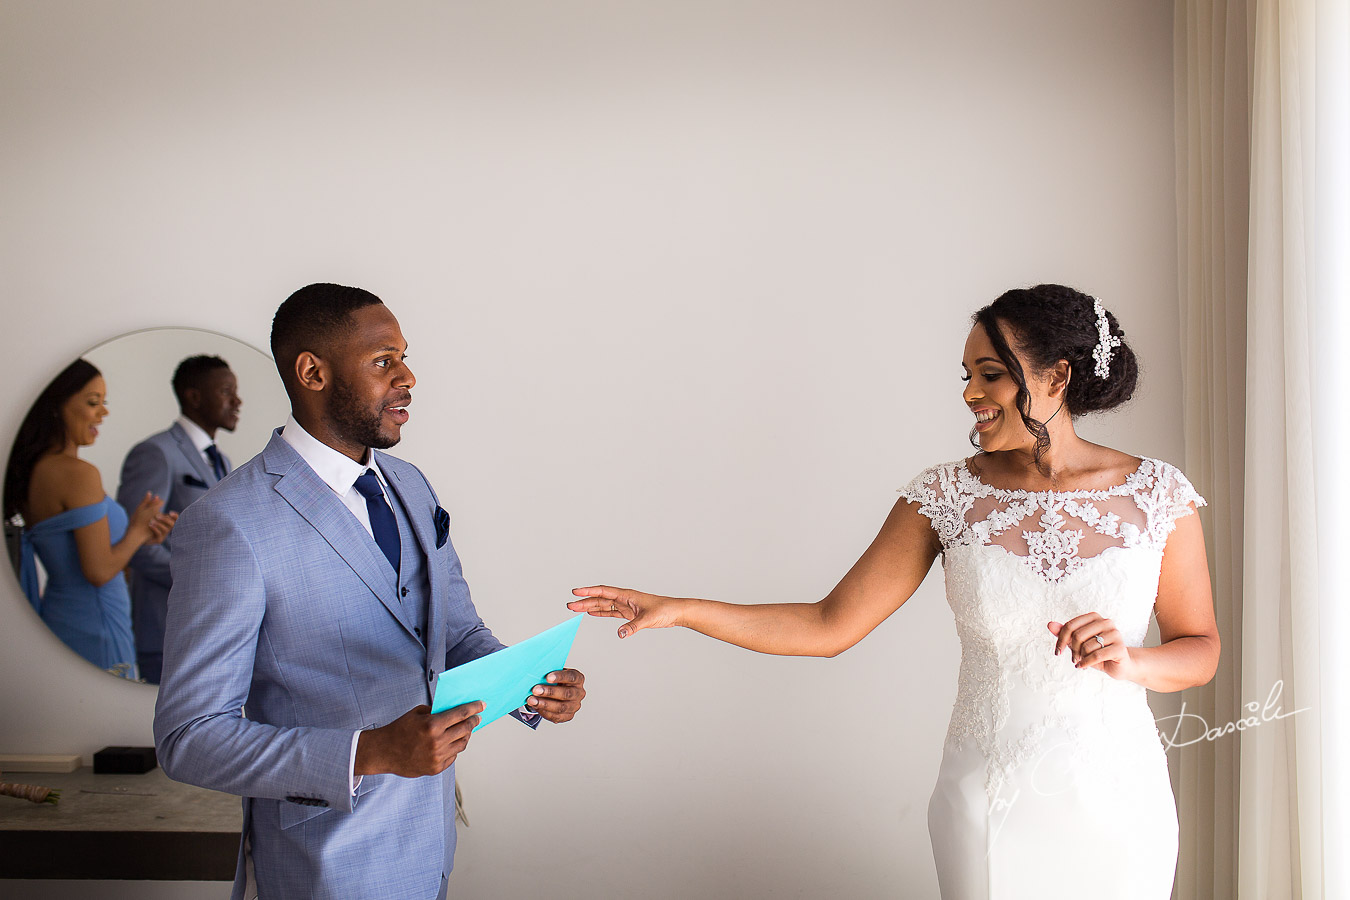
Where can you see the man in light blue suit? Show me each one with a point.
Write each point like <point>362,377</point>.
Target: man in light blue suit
<point>316,597</point>
<point>180,465</point>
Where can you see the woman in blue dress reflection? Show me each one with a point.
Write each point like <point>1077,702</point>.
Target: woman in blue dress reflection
<point>83,537</point>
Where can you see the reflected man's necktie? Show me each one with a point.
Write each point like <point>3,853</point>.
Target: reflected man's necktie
<point>381,516</point>
<point>217,461</point>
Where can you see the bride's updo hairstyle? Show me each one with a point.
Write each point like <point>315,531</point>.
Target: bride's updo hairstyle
<point>1050,322</point>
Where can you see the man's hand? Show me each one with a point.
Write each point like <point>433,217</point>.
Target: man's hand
<point>417,743</point>
<point>560,698</point>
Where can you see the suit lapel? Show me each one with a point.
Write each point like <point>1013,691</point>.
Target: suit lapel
<point>192,454</point>
<point>307,493</point>
<point>413,495</point>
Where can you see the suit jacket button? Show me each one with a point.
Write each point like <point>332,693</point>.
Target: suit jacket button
<point>417,631</point>
<point>405,592</point>
<point>431,676</point>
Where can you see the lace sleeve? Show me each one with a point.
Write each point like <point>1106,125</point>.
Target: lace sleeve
<point>922,489</point>
<point>1177,494</point>
<point>928,490</point>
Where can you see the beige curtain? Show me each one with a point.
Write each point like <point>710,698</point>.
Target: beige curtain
<point>1213,85</point>
<point>1263,107</point>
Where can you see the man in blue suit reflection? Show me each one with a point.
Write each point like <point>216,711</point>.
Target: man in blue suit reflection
<point>316,597</point>
<point>179,464</point>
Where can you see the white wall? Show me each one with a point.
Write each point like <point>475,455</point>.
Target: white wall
<point>686,286</point>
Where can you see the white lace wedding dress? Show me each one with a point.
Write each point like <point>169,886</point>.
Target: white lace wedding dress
<point>1053,780</point>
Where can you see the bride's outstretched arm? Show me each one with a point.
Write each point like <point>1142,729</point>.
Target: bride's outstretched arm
<point>881,581</point>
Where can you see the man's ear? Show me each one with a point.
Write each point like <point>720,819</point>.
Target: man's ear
<point>311,373</point>
<point>192,400</point>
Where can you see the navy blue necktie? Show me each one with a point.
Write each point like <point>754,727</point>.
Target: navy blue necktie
<point>217,461</point>
<point>381,516</point>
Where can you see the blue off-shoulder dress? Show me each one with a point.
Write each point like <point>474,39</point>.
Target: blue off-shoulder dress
<point>93,620</point>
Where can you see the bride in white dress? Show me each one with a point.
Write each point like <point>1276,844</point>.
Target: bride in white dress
<point>1056,552</point>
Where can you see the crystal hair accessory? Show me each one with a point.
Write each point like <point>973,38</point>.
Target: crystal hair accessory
<point>1105,341</point>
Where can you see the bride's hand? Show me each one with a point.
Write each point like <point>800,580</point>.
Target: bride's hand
<point>641,610</point>
<point>1094,642</point>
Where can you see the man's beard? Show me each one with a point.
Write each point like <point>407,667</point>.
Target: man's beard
<point>355,424</point>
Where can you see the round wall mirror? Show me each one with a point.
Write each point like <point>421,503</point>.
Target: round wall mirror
<point>104,598</point>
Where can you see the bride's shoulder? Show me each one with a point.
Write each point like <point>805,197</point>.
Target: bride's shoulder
<point>1116,467</point>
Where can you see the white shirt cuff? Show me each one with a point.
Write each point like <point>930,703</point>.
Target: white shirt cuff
<point>351,766</point>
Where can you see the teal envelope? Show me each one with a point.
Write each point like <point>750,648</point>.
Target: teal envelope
<point>505,679</point>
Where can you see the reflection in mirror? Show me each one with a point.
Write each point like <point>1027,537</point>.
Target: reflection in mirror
<point>117,445</point>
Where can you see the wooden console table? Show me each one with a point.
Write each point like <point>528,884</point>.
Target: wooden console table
<point>134,827</point>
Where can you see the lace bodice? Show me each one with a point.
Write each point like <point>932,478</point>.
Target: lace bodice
<point>1016,560</point>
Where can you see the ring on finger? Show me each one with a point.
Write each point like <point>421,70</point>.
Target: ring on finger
<point>1101,644</point>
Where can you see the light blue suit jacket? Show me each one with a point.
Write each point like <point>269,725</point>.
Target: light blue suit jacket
<point>170,466</point>
<point>284,608</point>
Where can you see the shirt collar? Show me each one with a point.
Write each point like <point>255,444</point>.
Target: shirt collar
<point>337,470</point>
<point>200,439</point>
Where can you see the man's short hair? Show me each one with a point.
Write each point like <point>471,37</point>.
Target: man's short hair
<point>191,373</point>
<point>311,319</point>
